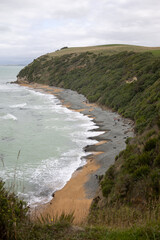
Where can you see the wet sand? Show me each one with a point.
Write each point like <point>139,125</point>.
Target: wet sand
<point>77,194</point>
<point>72,198</point>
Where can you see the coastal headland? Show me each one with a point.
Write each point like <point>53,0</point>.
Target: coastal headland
<point>77,195</point>
<point>119,189</point>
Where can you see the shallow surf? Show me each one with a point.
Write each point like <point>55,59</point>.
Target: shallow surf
<point>41,141</point>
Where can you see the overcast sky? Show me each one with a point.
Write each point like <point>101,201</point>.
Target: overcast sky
<point>30,28</point>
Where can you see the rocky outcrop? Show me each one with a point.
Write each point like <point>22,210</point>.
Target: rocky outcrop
<point>21,80</point>
<point>131,80</point>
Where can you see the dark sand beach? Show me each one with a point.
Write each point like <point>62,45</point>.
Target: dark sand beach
<point>78,193</point>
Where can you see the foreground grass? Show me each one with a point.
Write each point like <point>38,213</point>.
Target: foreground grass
<point>125,216</point>
<point>135,233</point>
<point>15,224</point>
<point>68,232</point>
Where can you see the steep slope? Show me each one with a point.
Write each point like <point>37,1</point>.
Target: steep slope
<point>129,83</point>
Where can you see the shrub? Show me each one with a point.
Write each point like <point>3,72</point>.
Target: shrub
<point>107,185</point>
<point>157,161</point>
<point>141,172</point>
<point>128,140</point>
<point>123,185</point>
<point>13,213</point>
<point>158,122</point>
<point>131,164</point>
<point>155,181</point>
<point>150,144</point>
<point>111,172</point>
<point>145,159</point>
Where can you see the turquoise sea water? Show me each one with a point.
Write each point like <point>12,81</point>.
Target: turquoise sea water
<point>41,142</point>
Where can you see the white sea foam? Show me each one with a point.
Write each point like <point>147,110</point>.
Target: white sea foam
<point>8,88</point>
<point>35,92</point>
<point>42,177</point>
<point>9,117</point>
<point>59,128</point>
<point>47,96</point>
<point>5,87</point>
<point>50,176</point>
<point>20,105</point>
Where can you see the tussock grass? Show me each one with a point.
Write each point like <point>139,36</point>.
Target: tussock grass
<point>124,216</point>
<point>115,224</point>
<point>63,218</point>
<point>16,224</point>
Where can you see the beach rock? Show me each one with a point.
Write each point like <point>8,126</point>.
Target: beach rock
<point>53,194</point>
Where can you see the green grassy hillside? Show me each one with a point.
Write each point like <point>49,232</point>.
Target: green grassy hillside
<point>126,79</point>
<point>105,49</point>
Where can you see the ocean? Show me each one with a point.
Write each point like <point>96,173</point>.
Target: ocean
<point>41,141</point>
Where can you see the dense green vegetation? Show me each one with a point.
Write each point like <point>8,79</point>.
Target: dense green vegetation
<point>128,82</point>
<point>12,212</point>
<point>131,187</point>
<point>139,162</point>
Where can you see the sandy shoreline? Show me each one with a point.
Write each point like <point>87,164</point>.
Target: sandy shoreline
<point>77,194</point>
<point>72,197</point>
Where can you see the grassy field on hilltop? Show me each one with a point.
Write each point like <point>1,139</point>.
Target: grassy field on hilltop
<point>105,49</point>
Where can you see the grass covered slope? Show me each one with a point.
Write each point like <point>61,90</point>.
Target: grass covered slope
<point>109,49</point>
<point>127,82</point>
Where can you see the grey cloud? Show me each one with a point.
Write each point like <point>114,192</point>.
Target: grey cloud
<point>4,29</point>
<point>31,28</point>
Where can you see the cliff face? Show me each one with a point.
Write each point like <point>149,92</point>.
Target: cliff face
<point>21,80</point>
<point>129,83</point>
